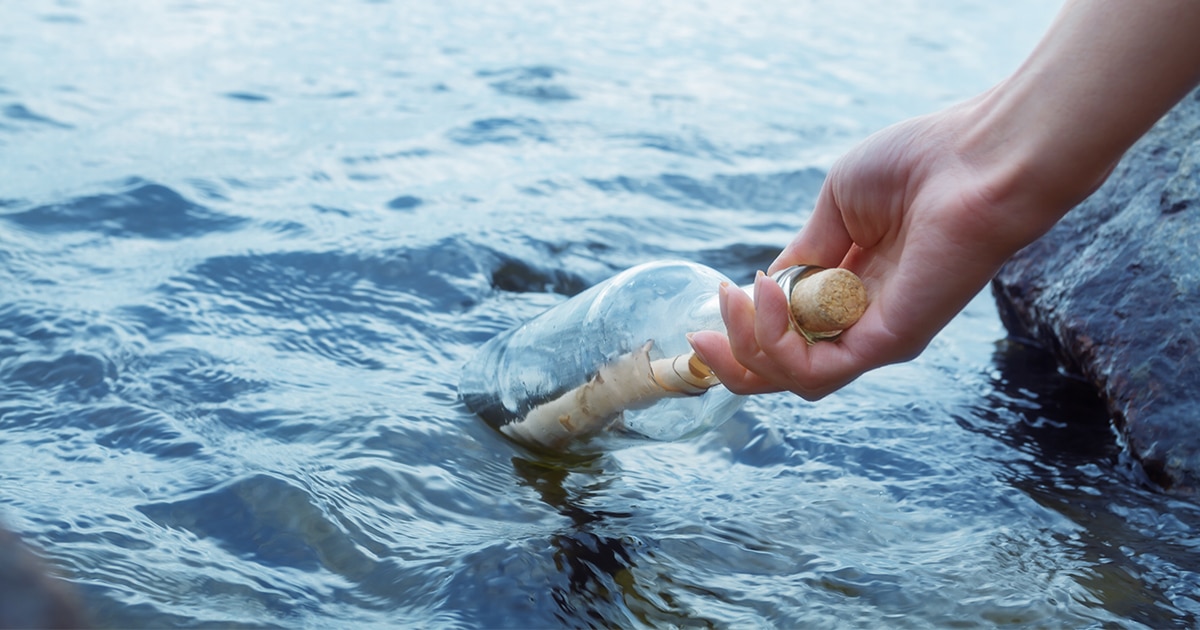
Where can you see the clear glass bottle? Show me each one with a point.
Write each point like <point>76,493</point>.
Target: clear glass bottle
<point>610,364</point>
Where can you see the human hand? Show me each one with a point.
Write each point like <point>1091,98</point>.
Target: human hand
<point>911,214</point>
<point>927,210</point>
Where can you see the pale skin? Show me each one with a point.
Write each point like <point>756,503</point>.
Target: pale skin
<point>926,211</point>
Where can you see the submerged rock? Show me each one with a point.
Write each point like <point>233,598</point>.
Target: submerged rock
<point>1114,292</point>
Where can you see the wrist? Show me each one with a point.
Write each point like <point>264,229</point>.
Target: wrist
<point>1046,137</point>
<point>1031,163</point>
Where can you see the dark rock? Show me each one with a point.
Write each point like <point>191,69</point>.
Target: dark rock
<point>30,595</point>
<point>1114,292</point>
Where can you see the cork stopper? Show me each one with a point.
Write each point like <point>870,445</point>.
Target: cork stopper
<point>827,301</point>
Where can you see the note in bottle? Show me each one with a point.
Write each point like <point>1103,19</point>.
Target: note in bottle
<point>613,363</point>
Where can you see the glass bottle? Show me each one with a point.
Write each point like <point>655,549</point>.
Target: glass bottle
<point>613,363</point>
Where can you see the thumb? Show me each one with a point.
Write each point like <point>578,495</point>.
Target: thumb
<point>823,241</point>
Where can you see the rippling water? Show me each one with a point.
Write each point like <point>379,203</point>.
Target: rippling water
<point>245,249</point>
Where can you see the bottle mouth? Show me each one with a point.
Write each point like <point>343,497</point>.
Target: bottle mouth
<point>838,305</point>
<point>786,279</point>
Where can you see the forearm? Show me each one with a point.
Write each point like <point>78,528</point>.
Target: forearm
<point>1105,72</point>
<point>1120,63</point>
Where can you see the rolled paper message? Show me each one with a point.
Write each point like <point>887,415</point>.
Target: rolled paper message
<point>823,302</point>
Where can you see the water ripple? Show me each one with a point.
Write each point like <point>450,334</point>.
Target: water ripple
<point>780,192</point>
<point>229,383</point>
<point>143,209</point>
<point>71,376</point>
<point>536,83</point>
<point>21,113</point>
<point>503,131</point>
<point>268,520</point>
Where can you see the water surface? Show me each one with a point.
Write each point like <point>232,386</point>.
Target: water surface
<point>245,249</point>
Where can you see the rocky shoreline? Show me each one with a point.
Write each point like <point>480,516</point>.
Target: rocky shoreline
<point>1114,292</point>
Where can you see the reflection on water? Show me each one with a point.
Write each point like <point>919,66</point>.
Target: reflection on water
<point>245,254</point>
<point>1074,466</point>
<point>600,586</point>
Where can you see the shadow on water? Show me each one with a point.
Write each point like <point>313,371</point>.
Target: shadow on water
<point>1132,539</point>
<point>599,584</point>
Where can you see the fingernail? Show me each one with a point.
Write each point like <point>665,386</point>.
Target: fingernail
<point>723,298</point>
<point>758,278</point>
<point>692,343</point>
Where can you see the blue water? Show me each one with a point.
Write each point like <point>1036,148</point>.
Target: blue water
<point>246,248</point>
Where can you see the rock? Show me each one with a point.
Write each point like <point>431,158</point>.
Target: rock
<point>1114,292</point>
<point>30,595</point>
